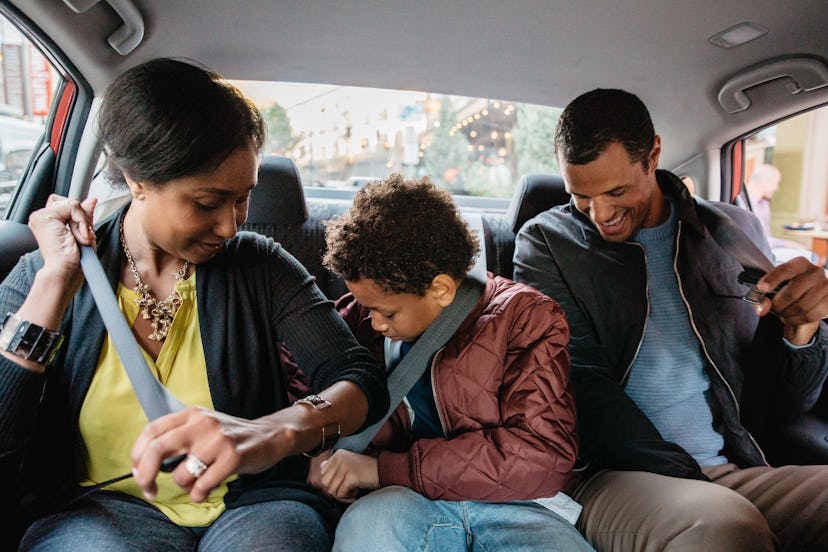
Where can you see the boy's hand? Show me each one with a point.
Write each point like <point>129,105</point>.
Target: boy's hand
<point>315,469</point>
<point>346,472</point>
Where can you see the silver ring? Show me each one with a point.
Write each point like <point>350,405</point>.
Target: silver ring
<point>59,202</point>
<point>194,465</point>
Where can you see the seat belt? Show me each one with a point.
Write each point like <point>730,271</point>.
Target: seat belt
<point>155,399</point>
<point>731,238</point>
<point>416,362</point>
<point>738,245</point>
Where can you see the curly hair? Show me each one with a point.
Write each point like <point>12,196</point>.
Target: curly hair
<point>401,234</point>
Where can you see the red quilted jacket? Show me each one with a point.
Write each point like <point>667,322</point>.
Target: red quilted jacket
<point>506,403</point>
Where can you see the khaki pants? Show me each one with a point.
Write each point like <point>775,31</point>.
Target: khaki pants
<point>751,510</point>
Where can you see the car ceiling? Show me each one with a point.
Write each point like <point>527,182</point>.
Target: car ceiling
<point>537,51</point>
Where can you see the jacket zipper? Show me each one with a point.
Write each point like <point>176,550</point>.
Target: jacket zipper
<point>646,317</point>
<point>704,346</point>
<point>434,392</point>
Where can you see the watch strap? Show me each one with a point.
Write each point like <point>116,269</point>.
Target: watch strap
<point>330,432</point>
<point>29,341</point>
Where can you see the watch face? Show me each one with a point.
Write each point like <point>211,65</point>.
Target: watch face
<point>316,401</point>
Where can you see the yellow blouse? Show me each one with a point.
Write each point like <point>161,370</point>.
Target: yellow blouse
<point>111,417</point>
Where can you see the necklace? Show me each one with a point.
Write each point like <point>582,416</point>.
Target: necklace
<point>160,313</point>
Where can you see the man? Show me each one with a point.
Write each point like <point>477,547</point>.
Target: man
<point>671,367</point>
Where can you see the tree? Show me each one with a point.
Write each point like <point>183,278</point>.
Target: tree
<point>534,139</point>
<point>280,139</point>
<point>446,159</point>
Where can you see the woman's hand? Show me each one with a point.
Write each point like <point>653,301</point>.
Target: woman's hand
<point>225,444</point>
<point>58,228</point>
<point>346,472</point>
<point>228,445</point>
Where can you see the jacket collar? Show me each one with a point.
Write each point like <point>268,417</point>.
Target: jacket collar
<point>672,186</point>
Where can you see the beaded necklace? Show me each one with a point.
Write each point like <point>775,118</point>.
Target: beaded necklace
<point>160,313</point>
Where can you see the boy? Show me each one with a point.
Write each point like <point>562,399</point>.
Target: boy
<point>489,427</point>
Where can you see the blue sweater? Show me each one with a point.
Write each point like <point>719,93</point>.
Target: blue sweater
<point>668,381</point>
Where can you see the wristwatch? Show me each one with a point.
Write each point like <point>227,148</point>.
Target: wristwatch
<point>29,341</point>
<point>330,433</point>
<point>315,401</point>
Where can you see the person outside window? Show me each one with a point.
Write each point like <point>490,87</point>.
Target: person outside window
<point>761,187</point>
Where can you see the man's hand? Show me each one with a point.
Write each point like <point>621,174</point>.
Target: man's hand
<point>346,472</point>
<point>801,302</point>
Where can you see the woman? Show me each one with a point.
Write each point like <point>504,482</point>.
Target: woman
<point>211,309</point>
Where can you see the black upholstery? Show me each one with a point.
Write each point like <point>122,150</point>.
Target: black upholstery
<point>534,194</point>
<point>17,240</point>
<point>500,244</point>
<point>278,198</point>
<point>278,209</point>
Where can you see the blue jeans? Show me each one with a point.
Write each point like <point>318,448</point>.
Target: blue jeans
<point>397,518</point>
<point>116,522</point>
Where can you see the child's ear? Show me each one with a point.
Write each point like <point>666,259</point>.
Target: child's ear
<point>443,288</point>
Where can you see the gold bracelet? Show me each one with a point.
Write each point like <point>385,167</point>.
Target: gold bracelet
<point>328,441</point>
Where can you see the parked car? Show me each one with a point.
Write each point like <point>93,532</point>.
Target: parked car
<point>18,138</point>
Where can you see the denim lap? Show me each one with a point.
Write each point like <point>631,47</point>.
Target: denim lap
<point>109,521</point>
<point>280,525</point>
<point>397,518</point>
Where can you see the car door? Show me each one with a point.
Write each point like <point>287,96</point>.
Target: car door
<point>793,149</point>
<point>44,105</point>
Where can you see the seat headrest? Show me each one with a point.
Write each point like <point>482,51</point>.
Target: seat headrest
<point>278,198</point>
<point>534,194</point>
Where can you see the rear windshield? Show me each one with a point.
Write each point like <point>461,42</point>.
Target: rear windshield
<point>343,137</point>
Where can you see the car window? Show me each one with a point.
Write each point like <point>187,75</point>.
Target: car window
<point>27,86</point>
<point>786,183</point>
<point>344,137</point>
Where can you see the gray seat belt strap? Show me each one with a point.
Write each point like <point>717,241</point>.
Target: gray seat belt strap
<point>731,238</point>
<point>155,399</point>
<point>415,363</point>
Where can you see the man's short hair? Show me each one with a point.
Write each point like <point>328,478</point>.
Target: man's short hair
<point>401,234</point>
<point>598,118</point>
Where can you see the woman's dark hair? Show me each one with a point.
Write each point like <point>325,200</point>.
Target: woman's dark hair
<point>401,234</point>
<point>165,119</point>
<point>594,120</point>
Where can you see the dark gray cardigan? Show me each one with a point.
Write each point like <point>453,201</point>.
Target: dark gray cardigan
<point>252,297</point>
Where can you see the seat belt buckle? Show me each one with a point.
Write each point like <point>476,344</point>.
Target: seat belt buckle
<point>749,277</point>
